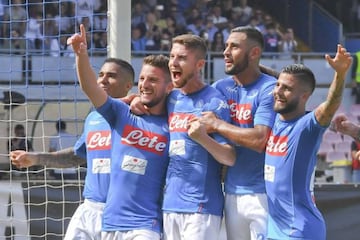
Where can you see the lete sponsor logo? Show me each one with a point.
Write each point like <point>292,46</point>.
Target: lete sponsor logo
<point>178,122</point>
<point>277,145</point>
<point>144,140</point>
<point>99,140</point>
<point>240,113</point>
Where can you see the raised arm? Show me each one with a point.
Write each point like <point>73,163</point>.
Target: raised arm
<point>86,75</point>
<point>61,159</point>
<point>341,64</point>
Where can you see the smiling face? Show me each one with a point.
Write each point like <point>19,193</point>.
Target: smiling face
<point>290,96</point>
<point>152,86</point>
<point>294,87</point>
<point>287,94</point>
<point>111,80</point>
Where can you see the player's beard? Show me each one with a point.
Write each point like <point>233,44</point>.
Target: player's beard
<point>180,83</point>
<point>287,108</point>
<point>239,67</point>
<point>151,103</point>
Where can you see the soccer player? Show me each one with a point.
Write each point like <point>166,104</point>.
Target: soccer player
<point>139,147</point>
<point>292,146</point>
<point>248,92</point>
<point>193,198</point>
<point>116,78</point>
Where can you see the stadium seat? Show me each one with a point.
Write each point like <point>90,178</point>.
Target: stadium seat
<point>336,156</point>
<point>325,148</point>
<point>332,137</point>
<point>355,109</point>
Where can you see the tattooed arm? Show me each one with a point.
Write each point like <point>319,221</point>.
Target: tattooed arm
<point>341,64</point>
<point>61,159</point>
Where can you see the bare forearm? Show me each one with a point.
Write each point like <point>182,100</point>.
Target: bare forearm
<point>353,131</point>
<point>253,138</point>
<point>325,112</point>
<point>60,159</point>
<point>88,80</point>
<point>223,153</point>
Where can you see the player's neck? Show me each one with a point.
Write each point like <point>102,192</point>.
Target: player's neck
<point>193,85</point>
<point>247,77</point>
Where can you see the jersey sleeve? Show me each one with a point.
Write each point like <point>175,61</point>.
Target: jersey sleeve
<point>265,114</point>
<point>220,108</point>
<point>112,109</point>
<point>80,146</point>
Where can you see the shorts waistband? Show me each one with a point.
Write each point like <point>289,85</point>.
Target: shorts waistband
<point>95,205</point>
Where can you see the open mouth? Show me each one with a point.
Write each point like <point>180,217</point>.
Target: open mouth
<point>176,74</point>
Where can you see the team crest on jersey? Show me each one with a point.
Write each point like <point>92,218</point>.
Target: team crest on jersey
<point>277,145</point>
<point>98,140</point>
<point>199,104</point>
<point>145,140</point>
<point>179,121</point>
<point>240,113</point>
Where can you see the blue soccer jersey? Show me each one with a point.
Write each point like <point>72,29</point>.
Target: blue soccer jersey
<point>193,179</point>
<point>138,168</point>
<point>289,175</point>
<point>250,105</point>
<point>94,145</point>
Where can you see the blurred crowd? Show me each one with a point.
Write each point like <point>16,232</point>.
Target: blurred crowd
<point>154,23</point>
<point>42,26</point>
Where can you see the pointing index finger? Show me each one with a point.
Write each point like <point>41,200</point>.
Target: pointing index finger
<point>82,31</point>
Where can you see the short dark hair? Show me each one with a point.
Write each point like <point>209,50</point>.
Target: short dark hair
<point>252,34</point>
<point>160,61</point>
<point>129,73</point>
<point>302,74</point>
<point>193,42</point>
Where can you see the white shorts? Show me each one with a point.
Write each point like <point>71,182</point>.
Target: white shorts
<point>86,221</point>
<point>246,216</point>
<point>139,234</point>
<point>190,226</point>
